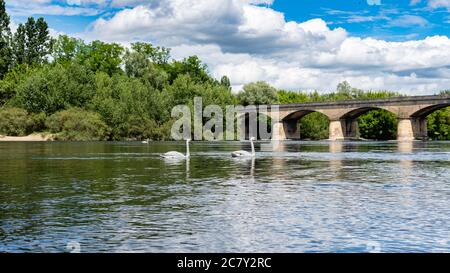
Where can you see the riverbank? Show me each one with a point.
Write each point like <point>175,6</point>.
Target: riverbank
<point>32,137</point>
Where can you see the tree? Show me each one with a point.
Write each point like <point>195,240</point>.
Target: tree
<point>439,124</point>
<point>5,41</point>
<point>191,66</point>
<point>140,63</point>
<point>65,48</point>
<point>378,125</point>
<point>19,45</point>
<point>38,42</point>
<point>314,126</point>
<point>157,55</point>
<point>225,81</point>
<point>10,82</point>
<point>32,42</point>
<point>76,124</point>
<point>100,56</point>
<point>258,93</point>
<point>56,87</point>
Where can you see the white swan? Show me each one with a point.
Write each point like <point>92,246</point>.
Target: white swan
<point>146,141</point>
<point>178,155</point>
<point>245,153</point>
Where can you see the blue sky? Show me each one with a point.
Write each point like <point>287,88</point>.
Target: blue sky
<point>398,45</point>
<point>386,19</point>
<point>394,20</point>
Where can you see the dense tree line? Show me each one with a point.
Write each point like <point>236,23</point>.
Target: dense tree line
<point>104,91</point>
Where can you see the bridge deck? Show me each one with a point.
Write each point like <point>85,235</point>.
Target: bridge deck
<point>406,100</point>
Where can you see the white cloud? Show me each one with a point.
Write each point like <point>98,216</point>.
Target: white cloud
<point>434,4</point>
<point>251,42</point>
<point>439,3</point>
<point>26,8</point>
<point>374,2</point>
<point>408,21</point>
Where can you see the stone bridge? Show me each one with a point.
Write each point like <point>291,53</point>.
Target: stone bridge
<point>410,111</point>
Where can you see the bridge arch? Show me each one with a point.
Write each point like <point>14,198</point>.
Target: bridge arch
<point>292,123</point>
<point>424,112</point>
<point>419,120</point>
<point>356,113</point>
<point>409,111</point>
<point>382,124</point>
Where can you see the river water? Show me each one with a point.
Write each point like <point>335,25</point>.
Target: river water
<point>293,197</point>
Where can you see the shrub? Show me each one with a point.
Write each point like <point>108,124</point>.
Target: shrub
<point>14,122</point>
<point>55,87</point>
<point>76,124</point>
<point>439,124</point>
<point>314,126</point>
<point>378,125</point>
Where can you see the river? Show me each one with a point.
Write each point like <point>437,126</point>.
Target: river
<point>293,197</point>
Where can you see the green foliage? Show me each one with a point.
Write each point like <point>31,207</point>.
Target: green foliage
<point>32,43</point>
<point>286,97</point>
<point>156,55</point>
<point>185,88</point>
<point>314,126</point>
<point>129,93</point>
<point>76,124</point>
<point>124,102</point>
<point>19,47</point>
<point>66,49</point>
<point>13,122</point>
<point>55,87</point>
<point>143,62</point>
<point>5,41</point>
<point>8,86</point>
<point>225,81</point>
<point>439,124</point>
<point>17,122</point>
<point>101,57</point>
<point>191,66</point>
<point>378,125</point>
<point>258,93</point>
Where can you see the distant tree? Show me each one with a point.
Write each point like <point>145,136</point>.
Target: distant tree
<point>5,41</point>
<point>19,45</point>
<point>439,124</point>
<point>10,82</point>
<point>66,49</point>
<point>258,93</point>
<point>141,62</point>
<point>55,87</point>
<point>101,56</point>
<point>191,66</point>
<point>378,125</point>
<point>32,42</point>
<point>157,55</point>
<point>314,126</point>
<point>225,81</point>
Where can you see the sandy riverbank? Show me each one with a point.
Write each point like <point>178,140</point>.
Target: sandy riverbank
<point>33,137</point>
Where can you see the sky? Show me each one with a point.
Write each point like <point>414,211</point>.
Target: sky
<point>400,45</point>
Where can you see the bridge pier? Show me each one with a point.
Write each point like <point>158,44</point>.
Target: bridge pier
<point>351,129</point>
<point>405,130</point>
<point>278,132</point>
<point>336,132</point>
<point>411,113</point>
<point>410,129</point>
<point>420,128</point>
